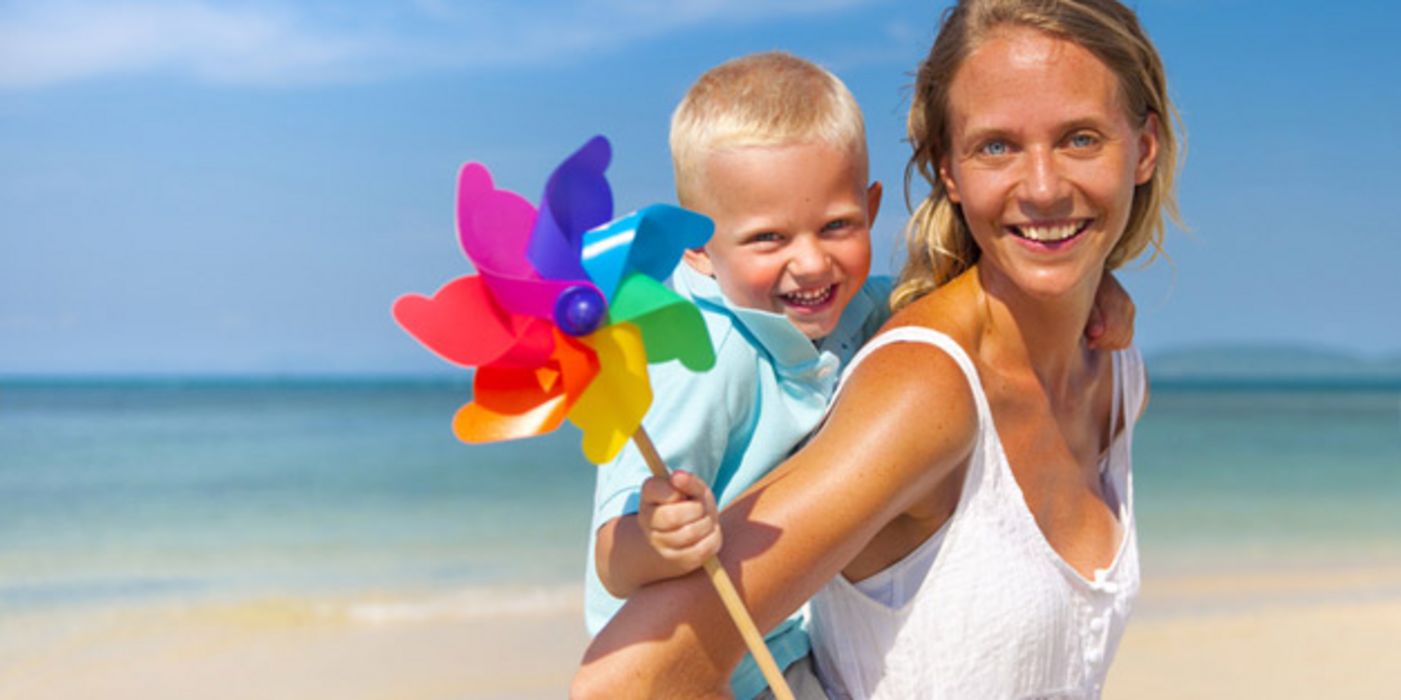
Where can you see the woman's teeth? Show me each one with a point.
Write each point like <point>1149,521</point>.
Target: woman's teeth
<point>810,297</point>
<point>1050,234</point>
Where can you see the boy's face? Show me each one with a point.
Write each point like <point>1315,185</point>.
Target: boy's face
<point>792,230</point>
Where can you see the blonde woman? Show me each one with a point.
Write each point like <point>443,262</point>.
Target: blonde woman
<point>965,516</point>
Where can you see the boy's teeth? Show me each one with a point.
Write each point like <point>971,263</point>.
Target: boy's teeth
<point>808,298</point>
<point>1059,232</point>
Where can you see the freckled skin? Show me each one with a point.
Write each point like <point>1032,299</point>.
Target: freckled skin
<point>788,219</point>
<point>1038,134</point>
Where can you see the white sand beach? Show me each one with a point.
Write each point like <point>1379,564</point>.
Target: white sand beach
<point>1296,634</point>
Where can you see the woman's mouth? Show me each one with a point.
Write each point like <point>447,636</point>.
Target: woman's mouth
<point>1051,235</point>
<point>809,298</point>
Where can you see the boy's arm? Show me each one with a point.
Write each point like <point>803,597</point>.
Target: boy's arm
<point>1111,319</point>
<point>691,421</point>
<point>676,530</point>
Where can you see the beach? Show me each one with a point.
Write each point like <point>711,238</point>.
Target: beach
<point>1301,634</point>
<point>331,540</point>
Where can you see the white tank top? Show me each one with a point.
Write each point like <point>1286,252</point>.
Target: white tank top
<point>985,608</point>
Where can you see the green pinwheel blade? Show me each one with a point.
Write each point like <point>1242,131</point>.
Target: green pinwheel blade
<point>672,327</point>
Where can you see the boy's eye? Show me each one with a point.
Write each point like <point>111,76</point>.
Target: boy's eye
<point>836,225</point>
<point>764,237</point>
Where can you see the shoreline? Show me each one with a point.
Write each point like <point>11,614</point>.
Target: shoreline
<point>1296,633</point>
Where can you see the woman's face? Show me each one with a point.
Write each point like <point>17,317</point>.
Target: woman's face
<point>1043,159</point>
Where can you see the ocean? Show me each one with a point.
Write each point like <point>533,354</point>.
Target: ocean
<point>136,491</point>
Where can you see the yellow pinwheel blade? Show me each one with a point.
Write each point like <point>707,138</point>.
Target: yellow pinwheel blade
<point>612,406</point>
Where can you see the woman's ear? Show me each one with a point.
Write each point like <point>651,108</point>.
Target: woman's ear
<point>1147,150</point>
<point>946,177</point>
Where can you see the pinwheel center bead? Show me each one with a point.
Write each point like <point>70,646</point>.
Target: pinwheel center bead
<point>579,310</point>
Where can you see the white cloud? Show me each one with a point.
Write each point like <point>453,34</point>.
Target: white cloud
<point>276,44</point>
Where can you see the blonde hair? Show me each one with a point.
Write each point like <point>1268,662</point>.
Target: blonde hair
<point>940,245</point>
<point>763,99</point>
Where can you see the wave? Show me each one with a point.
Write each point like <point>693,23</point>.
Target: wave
<point>475,603</point>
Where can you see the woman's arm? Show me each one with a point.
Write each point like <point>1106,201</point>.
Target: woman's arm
<point>905,422</point>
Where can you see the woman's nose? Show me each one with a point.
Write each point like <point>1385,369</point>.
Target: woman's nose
<point>1043,185</point>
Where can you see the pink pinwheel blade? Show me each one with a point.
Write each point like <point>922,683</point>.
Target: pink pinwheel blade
<point>494,228</point>
<point>493,225</point>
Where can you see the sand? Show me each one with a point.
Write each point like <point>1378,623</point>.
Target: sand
<point>1295,634</point>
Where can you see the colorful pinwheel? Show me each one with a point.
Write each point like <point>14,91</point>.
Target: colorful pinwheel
<point>562,317</point>
<point>565,312</point>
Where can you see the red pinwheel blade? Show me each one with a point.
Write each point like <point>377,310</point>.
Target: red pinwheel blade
<point>461,324</point>
<point>518,402</point>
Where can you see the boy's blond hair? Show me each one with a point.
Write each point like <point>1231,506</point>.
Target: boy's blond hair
<point>763,99</point>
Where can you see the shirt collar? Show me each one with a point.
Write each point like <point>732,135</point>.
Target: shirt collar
<point>792,352</point>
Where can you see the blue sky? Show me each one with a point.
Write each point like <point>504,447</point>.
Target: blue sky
<point>244,187</point>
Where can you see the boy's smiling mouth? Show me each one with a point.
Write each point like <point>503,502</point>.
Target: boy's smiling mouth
<point>810,298</point>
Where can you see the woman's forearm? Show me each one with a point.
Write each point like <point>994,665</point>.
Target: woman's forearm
<point>794,530</point>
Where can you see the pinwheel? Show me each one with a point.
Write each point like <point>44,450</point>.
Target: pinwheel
<point>565,312</point>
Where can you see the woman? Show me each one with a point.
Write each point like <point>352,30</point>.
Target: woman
<point>971,486</point>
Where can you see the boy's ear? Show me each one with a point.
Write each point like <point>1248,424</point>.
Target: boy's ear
<point>873,195</point>
<point>699,261</point>
<point>946,177</point>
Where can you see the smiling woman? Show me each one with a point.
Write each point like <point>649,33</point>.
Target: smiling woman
<point>965,516</point>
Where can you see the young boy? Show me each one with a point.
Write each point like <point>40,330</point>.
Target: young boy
<point>773,149</point>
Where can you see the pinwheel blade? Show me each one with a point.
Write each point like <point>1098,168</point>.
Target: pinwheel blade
<point>494,227</point>
<point>612,407</point>
<point>649,241</point>
<point>517,402</point>
<point>462,324</point>
<point>577,198</point>
<point>672,327</point>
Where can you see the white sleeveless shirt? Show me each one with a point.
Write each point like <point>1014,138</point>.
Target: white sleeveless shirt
<point>985,608</point>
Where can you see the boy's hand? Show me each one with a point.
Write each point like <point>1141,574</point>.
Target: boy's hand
<point>679,519</point>
<point>1111,318</point>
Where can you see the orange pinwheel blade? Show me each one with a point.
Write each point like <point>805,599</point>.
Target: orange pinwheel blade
<point>517,402</point>
<point>611,408</point>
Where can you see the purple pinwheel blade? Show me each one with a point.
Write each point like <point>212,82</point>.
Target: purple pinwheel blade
<point>577,198</point>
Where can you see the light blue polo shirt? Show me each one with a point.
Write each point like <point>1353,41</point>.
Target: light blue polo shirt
<point>732,425</point>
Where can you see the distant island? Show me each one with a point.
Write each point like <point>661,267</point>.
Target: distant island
<point>1253,364</point>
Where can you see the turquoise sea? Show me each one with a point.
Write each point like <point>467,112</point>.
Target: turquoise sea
<point>116,492</point>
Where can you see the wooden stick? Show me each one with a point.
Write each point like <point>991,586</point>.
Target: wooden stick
<point>726,588</point>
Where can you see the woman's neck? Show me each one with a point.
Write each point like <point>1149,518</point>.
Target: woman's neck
<point>1045,335</point>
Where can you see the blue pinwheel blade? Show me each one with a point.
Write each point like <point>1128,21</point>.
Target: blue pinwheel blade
<point>649,241</point>
<point>577,198</point>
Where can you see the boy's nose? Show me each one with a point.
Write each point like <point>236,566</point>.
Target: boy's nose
<point>809,258</point>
